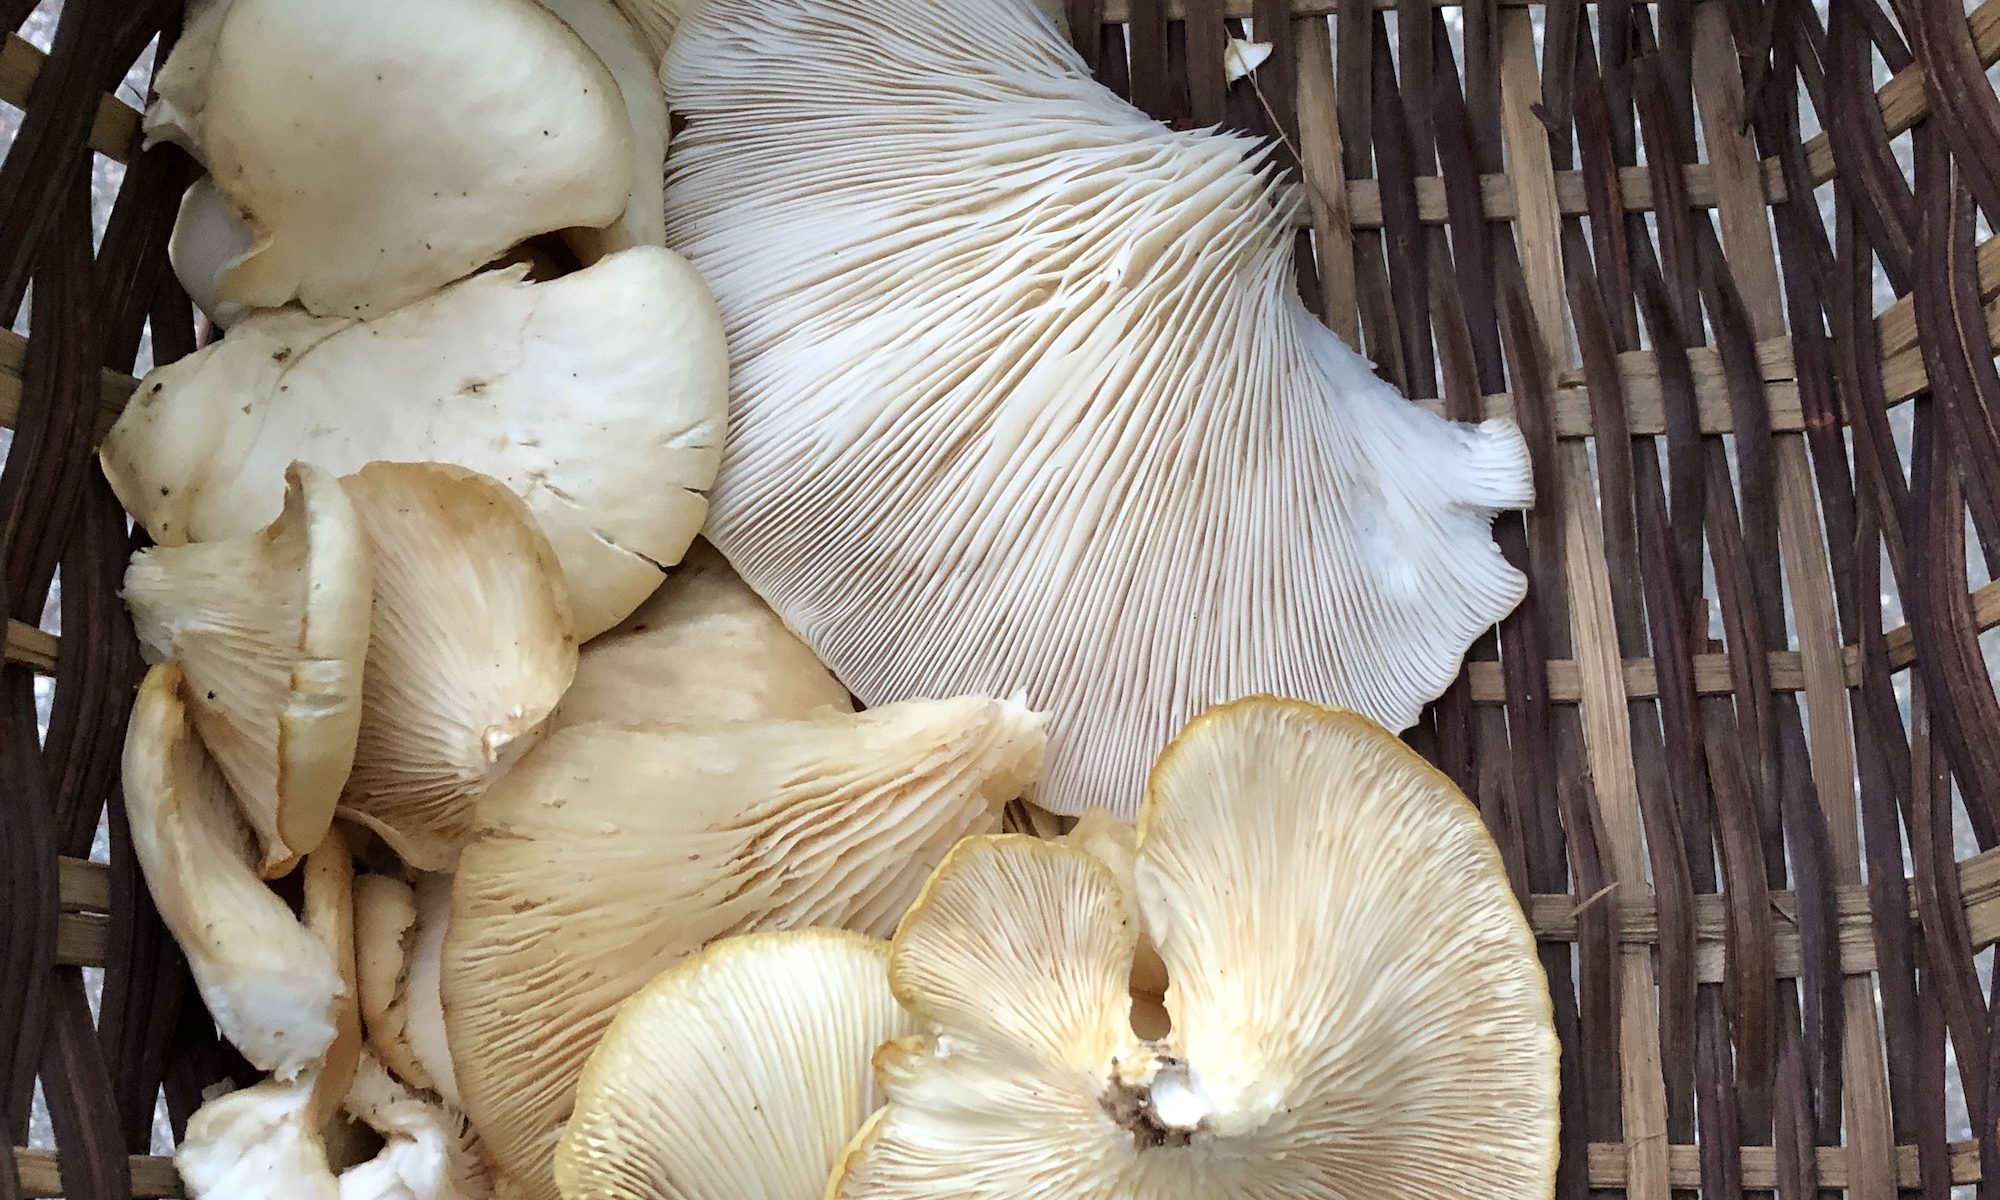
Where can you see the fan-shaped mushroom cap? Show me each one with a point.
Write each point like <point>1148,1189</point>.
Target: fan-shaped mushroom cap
<point>598,397</point>
<point>656,19</point>
<point>270,629</point>
<point>623,52</point>
<point>380,149</point>
<point>385,919</point>
<point>1115,844</point>
<point>274,990</point>
<point>703,649</point>
<point>743,1071</point>
<point>1148,478</point>
<point>609,853</point>
<point>427,1151</point>
<point>1357,1005</point>
<point>470,650</point>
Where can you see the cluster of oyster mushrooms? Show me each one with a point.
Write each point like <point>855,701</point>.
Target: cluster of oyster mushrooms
<point>530,851</point>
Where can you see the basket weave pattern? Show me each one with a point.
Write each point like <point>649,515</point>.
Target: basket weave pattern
<point>1755,367</point>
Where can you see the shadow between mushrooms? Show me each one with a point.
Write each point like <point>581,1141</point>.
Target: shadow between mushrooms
<point>1025,397</point>
<point>1357,1006</point>
<point>608,854</point>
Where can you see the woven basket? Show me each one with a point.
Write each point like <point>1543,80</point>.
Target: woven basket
<point>1751,806</point>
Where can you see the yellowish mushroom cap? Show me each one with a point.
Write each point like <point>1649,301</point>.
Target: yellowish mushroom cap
<point>703,649</point>
<point>385,918</point>
<point>270,630</point>
<point>609,853</point>
<point>470,649</point>
<point>743,1071</point>
<point>273,987</point>
<point>1357,1005</point>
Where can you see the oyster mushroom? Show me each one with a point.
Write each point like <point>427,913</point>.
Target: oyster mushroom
<point>635,69</point>
<point>270,630</point>
<point>267,1141</point>
<point>428,1151</point>
<point>1025,398</point>
<point>470,649</point>
<point>385,918</point>
<point>704,648</point>
<point>274,988</point>
<point>1387,1030</point>
<point>599,398</point>
<point>609,853</point>
<point>742,1071</point>
<point>376,150</point>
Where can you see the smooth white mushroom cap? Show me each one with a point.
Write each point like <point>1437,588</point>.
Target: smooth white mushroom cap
<point>382,148</point>
<point>635,69</point>
<point>1025,398</point>
<point>273,987</point>
<point>609,853</point>
<point>703,649</point>
<point>599,398</point>
<point>742,1071</point>
<point>470,649</point>
<point>1357,1005</point>
<point>270,630</point>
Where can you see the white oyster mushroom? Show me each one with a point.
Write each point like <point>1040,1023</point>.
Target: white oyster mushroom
<point>599,398</point>
<point>1025,397</point>
<point>209,239</point>
<point>379,149</point>
<point>635,68</point>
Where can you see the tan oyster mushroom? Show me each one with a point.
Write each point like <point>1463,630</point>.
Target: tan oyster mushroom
<point>424,993</point>
<point>470,649</point>
<point>704,648</point>
<point>599,398</point>
<point>379,149</point>
<point>1149,478</point>
<point>1394,1033</point>
<point>385,919</point>
<point>274,989</point>
<point>428,1151</point>
<point>635,69</point>
<point>270,630</point>
<point>742,1071</point>
<point>609,853</point>
<point>267,1141</point>
<point>1115,844</point>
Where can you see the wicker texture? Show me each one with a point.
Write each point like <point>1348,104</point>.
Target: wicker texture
<point>1742,853</point>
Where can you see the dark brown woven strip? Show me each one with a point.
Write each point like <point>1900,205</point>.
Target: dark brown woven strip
<point>1543,773</point>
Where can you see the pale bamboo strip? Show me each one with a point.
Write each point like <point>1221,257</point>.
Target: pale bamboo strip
<point>1327,193</point>
<point>114,133</point>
